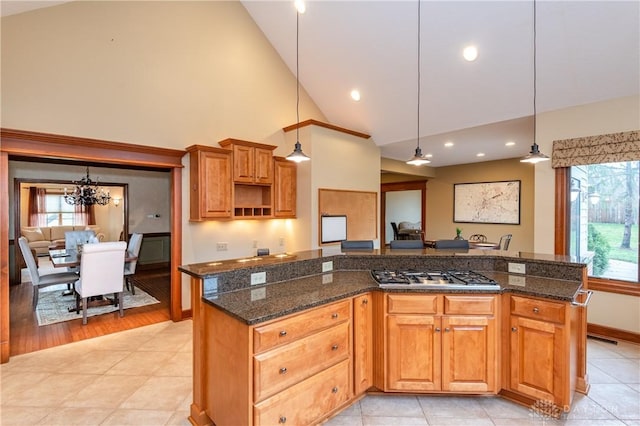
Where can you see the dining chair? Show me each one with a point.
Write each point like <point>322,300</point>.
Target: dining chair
<point>505,240</point>
<point>394,226</point>
<point>40,281</point>
<point>73,238</point>
<point>135,242</point>
<point>101,267</point>
<point>346,245</point>
<point>406,244</point>
<point>452,244</point>
<point>478,237</point>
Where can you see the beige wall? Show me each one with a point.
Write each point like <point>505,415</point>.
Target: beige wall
<point>619,115</point>
<point>440,224</point>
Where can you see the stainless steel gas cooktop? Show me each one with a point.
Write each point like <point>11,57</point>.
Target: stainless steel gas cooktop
<point>463,280</point>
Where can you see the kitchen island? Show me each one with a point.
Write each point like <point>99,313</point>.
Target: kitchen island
<point>316,332</point>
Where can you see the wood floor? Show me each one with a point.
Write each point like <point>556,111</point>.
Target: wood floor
<point>26,336</point>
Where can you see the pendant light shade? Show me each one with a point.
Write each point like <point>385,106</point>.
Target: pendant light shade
<point>297,155</point>
<point>534,156</point>
<point>418,159</point>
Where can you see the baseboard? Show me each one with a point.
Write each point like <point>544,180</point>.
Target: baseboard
<point>187,314</point>
<point>613,333</point>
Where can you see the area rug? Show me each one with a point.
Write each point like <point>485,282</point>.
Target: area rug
<point>53,307</point>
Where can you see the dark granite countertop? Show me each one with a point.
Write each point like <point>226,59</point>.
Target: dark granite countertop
<point>263,303</point>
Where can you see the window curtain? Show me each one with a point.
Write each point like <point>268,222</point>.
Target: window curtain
<point>609,148</point>
<point>84,215</point>
<point>36,207</point>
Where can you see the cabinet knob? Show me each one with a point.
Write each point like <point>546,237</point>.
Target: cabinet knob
<point>335,389</point>
<point>283,333</point>
<point>365,301</point>
<point>334,316</point>
<point>447,329</point>
<point>283,370</point>
<point>437,329</point>
<point>514,329</point>
<point>334,347</point>
<point>536,310</point>
<point>282,419</point>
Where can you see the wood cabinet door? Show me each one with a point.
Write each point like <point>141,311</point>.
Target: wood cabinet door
<point>469,354</point>
<point>213,196</point>
<point>243,164</point>
<point>285,183</point>
<point>362,343</point>
<point>263,166</point>
<point>413,353</point>
<point>536,354</point>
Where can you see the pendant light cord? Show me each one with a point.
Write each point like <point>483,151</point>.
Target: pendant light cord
<point>418,127</point>
<point>534,72</point>
<point>297,77</point>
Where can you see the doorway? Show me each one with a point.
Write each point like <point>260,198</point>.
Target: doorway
<point>412,192</point>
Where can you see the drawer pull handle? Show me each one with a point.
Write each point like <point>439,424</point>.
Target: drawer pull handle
<point>536,310</point>
<point>282,419</point>
<point>334,316</point>
<point>437,329</point>
<point>365,301</point>
<point>334,347</point>
<point>283,370</point>
<point>335,389</point>
<point>514,329</point>
<point>283,333</point>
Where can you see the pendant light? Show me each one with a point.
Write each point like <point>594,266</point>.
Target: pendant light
<point>418,159</point>
<point>297,155</point>
<point>534,156</point>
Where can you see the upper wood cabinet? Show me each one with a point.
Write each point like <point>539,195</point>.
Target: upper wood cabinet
<point>210,183</point>
<point>252,162</point>
<point>285,186</point>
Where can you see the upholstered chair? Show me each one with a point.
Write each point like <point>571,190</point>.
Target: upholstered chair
<point>135,242</point>
<point>356,245</point>
<point>45,280</point>
<point>452,244</point>
<point>101,267</point>
<point>406,244</point>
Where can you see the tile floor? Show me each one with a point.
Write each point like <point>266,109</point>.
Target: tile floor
<point>143,377</point>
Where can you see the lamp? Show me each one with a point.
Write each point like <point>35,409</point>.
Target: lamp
<point>297,155</point>
<point>418,159</point>
<point>87,193</point>
<point>575,189</point>
<point>116,201</point>
<point>534,156</point>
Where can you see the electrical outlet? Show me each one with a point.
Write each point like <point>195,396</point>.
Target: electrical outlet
<point>327,266</point>
<point>258,278</point>
<point>221,246</point>
<point>517,268</point>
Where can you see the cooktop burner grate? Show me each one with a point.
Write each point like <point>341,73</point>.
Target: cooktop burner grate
<point>429,278</point>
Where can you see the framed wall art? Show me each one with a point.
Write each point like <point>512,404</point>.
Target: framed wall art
<point>487,202</point>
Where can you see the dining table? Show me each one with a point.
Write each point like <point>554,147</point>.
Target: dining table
<point>484,245</point>
<point>63,258</point>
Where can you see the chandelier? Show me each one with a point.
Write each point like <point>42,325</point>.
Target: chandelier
<point>87,193</point>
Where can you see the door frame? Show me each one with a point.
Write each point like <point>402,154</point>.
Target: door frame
<point>414,185</point>
<point>23,145</point>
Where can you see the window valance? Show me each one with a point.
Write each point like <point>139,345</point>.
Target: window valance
<point>609,148</point>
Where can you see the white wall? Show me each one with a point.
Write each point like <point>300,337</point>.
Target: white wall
<point>619,115</point>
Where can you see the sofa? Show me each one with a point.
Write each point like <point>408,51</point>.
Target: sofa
<point>41,237</point>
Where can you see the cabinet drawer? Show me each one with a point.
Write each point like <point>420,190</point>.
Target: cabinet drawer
<point>469,305</point>
<point>286,365</point>
<point>280,332</point>
<point>412,304</point>
<point>308,401</point>
<point>538,309</point>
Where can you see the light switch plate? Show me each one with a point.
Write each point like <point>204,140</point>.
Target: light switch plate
<point>258,278</point>
<point>517,268</point>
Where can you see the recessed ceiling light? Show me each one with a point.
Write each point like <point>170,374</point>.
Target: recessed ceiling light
<point>355,95</point>
<point>510,143</point>
<point>448,144</point>
<point>480,154</point>
<point>470,53</point>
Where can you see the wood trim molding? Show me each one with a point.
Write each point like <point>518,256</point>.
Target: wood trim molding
<point>4,257</point>
<point>613,333</point>
<point>612,286</point>
<point>326,126</point>
<point>561,213</point>
<point>45,145</point>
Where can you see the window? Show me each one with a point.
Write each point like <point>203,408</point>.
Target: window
<point>603,218</point>
<point>57,211</point>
